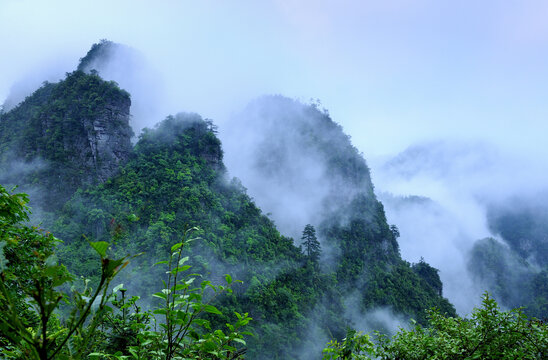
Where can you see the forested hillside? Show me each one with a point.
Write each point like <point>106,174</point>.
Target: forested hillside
<point>64,136</point>
<point>301,166</point>
<point>142,200</point>
<point>515,269</point>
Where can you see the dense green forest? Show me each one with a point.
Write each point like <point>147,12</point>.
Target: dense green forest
<point>43,319</point>
<point>115,205</point>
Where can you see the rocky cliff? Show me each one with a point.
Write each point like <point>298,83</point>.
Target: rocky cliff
<point>65,135</point>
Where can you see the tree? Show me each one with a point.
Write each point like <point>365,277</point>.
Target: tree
<point>311,244</point>
<point>395,231</point>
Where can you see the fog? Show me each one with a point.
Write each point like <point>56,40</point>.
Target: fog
<point>457,89</point>
<point>458,182</point>
<point>404,71</point>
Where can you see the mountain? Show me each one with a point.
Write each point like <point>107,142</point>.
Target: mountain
<point>300,166</point>
<point>515,268</point>
<point>131,69</point>
<point>475,191</point>
<point>64,136</point>
<point>74,139</point>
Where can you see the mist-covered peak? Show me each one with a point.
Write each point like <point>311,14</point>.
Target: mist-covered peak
<point>522,222</point>
<point>133,72</point>
<point>295,160</point>
<point>109,58</point>
<point>300,166</point>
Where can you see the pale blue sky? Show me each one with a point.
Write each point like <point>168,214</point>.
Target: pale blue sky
<point>391,72</point>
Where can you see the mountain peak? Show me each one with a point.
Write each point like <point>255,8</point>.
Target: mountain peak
<point>77,128</point>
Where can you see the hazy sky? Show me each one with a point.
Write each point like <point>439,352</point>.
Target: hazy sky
<point>390,72</point>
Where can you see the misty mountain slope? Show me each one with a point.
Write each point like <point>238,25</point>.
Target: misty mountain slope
<point>499,270</point>
<point>472,191</point>
<point>279,146</point>
<point>516,269</point>
<point>300,166</point>
<point>175,180</point>
<point>65,135</point>
<point>434,231</point>
<point>522,221</point>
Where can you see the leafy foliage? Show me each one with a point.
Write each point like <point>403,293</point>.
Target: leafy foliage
<point>489,334</point>
<point>184,333</point>
<point>31,290</point>
<point>31,328</point>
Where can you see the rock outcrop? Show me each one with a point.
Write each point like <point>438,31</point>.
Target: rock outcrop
<point>77,129</point>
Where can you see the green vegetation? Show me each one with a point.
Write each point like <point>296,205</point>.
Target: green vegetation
<point>489,333</point>
<point>31,291</point>
<point>73,141</point>
<point>52,141</point>
<point>174,180</point>
<point>42,319</point>
<point>312,247</point>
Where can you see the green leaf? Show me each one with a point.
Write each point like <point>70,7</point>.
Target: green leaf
<point>228,279</point>
<point>101,247</point>
<point>110,267</point>
<point>179,287</point>
<point>160,295</point>
<point>180,268</point>
<point>212,309</point>
<point>176,246</point>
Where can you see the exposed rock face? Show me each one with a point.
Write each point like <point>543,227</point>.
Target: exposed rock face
<point>78,129</point>
<point>108,146</point>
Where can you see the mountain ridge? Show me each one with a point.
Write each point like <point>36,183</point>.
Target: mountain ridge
<point>174,178</point>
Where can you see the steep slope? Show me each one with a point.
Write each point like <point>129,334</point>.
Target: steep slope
<point>515,269</point>
<point>65,135</point>
<point>176,180</point>
<point>299,165</point>
<point>478,192</point>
